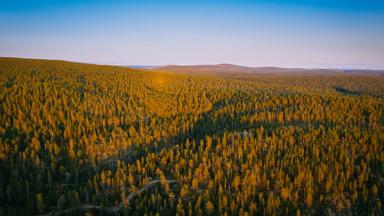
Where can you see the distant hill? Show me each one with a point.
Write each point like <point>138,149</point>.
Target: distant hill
<point>220,69</point>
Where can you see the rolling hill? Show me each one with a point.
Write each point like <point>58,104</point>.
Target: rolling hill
<point>230,69</point>
<point>83,139</point>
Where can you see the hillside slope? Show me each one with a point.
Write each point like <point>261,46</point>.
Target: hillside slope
<point>81,138</point>
<point>229,69</point>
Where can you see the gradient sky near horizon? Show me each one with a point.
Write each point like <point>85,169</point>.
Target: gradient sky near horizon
<point>285,33</point>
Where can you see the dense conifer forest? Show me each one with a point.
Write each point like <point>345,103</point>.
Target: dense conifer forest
<point>81,139</point>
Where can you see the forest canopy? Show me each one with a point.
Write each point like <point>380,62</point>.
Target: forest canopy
<point>80,139</point>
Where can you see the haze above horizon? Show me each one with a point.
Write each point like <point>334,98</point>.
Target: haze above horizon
<point>281,33</point>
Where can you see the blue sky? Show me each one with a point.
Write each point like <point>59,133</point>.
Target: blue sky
<point>286,33</point>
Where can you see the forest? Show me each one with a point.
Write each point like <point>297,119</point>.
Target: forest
<point>83,139</point>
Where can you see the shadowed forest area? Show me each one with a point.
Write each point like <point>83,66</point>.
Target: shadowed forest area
<point>82,139</point>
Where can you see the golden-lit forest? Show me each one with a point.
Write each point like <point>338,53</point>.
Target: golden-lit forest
<point>82,139</point>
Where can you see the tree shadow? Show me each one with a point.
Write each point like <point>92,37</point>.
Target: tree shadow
<point>209,123</point>
<point>345,91</point>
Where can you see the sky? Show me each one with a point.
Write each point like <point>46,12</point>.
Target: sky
<point>283,33</point>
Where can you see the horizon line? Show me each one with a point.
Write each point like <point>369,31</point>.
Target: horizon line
<point>136,66</point>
